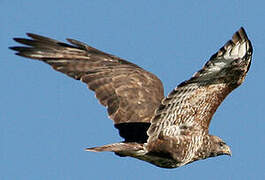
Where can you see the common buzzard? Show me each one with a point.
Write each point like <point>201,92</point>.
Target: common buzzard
<point>169,131</point>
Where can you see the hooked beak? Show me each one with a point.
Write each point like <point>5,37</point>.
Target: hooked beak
<point>225,151</point>
<point>228,151</point>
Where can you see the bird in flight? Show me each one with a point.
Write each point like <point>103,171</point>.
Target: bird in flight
<point>169,131</point>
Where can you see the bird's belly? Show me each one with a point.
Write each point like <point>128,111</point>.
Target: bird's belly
<point>160,161</point>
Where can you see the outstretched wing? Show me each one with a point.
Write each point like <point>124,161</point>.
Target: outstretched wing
<point>130,93</point>
<point>191,105</point>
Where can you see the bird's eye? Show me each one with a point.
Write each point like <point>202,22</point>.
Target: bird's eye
<point>221,144</point>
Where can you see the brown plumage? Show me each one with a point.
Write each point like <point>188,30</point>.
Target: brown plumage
<point>166,131</point>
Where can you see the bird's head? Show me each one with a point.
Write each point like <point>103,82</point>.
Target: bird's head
<point>218,147</point>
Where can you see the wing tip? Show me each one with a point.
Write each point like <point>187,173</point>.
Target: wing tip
<point>239,37</point>
<point>38,37</point>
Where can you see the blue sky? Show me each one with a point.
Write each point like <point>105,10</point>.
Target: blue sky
<point>48,119</point>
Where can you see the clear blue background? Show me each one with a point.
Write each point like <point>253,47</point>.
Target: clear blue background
<point>48,119</point>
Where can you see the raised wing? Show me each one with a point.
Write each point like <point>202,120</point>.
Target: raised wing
<point>130,93</point>
<point>191,105</point>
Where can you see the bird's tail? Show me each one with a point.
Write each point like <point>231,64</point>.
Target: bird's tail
<point>121,149</point>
